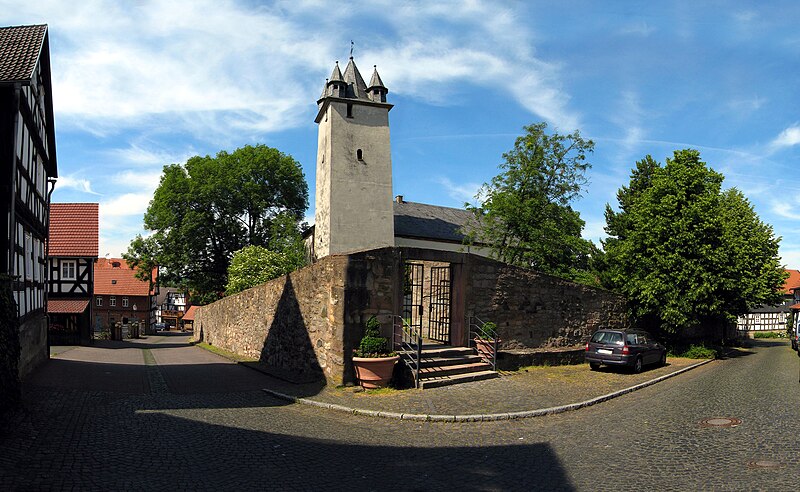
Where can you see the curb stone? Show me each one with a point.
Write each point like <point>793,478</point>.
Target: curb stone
<point>481,417</point>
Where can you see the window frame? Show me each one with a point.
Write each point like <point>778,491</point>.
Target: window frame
<point>66,266</point>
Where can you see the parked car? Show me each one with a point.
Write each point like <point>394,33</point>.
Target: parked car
<point>629,348</point>
<point>793,337</point>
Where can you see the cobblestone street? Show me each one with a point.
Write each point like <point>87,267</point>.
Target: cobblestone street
<point>162,415</point>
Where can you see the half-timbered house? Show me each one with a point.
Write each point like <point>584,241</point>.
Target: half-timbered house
<point>72,252</point>
<point>27,166</point>
<point>120,297</point>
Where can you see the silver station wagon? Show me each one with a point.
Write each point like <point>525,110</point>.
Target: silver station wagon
<point>628,348</point>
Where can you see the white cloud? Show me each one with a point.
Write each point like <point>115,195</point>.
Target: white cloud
<point>787,210</point>
<point>462,193</point>
<point>127,204</point>
<point>75,183</point>
<point>787,138</point>
<point>790,257</point>
<point>638,28</point>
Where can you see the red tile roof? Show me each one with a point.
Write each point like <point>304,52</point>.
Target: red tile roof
<point>67,306</point>
<point>20,47</point>
<point>795,306</point>
<point>793,282</point>
<point>113,276</point>
<point>74,229</point>
<point>189,316</point>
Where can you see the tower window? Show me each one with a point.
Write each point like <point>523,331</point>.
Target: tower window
<point>359,155</point>
<point>349,110</point>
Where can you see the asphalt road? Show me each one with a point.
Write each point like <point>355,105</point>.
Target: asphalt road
<point>162,417</point>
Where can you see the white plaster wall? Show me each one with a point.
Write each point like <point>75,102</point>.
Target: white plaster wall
<point>354,198</point>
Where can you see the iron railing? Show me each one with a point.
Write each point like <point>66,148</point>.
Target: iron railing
<point>408,344</point>
<point>484,341</point>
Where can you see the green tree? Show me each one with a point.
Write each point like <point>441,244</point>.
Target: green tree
<point>686,254</point>
<point>254,265</point>
<point>525,213</point>
<point>204,211</point>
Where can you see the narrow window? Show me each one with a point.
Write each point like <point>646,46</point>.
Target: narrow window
<point>359,155</point>
<point>124,302</point>
<point>99,302</point>
<point>68,270</point>
<point>112,301</point>
<point>349,110</point>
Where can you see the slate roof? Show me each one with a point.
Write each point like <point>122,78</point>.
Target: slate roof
<point>67,306</point>
<point>113,276</point>
<point>20,47</point>
<point>422,221</point>
<point>189,316</point>
<point>356,88</point>
<point>74,229</point>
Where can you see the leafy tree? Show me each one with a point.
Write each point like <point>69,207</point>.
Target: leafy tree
<point>525,214</point>
<point>204,211</point>
<point>686,254</point>
<point>254,265</point>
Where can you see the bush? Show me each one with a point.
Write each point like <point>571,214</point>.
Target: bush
<point>699,352</point>
<point>769,334</point>
<point>372,343</point>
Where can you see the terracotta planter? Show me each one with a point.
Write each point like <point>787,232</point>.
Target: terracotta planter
<point>374,372</point>
<point>485,348</point>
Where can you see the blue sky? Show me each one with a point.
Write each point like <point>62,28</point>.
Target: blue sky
<point>141,84</point>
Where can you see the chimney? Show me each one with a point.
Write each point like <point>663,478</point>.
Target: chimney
<point>399,198</point>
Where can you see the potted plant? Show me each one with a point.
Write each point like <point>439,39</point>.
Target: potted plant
<point>485,339</point>
<point>373,361</point>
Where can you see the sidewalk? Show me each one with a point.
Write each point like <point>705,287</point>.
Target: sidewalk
<point>536,391</point>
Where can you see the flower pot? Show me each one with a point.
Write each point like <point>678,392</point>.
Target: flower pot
<point>374,372</point>
<point>485,348</point>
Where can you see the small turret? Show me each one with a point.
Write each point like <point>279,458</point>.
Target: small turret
<point>336,86</point>
<point>376,90</point>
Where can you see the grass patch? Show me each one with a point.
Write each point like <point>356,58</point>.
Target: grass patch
<point>695,352</point>
<point>769,334</point>
<point>224,353</point>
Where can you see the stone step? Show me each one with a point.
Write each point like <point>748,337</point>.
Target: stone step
<point>456,379</point>
<point>451,370</point>
<point>444,351</point>
<point>449,361</point>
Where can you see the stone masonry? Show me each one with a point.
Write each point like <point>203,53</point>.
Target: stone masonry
<point>308,322</point>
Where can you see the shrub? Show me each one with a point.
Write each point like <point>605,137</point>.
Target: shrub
<point>769,334</point>
<point>372,343</point>
<point>699,352</point>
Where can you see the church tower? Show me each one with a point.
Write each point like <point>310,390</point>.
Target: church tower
<point>354,165</point>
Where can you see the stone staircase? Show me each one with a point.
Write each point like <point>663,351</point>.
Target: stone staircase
<point>443,365</point>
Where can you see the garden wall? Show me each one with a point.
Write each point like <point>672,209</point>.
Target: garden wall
<point>307,323</point>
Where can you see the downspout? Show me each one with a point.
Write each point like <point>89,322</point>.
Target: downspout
<point>52,183</point>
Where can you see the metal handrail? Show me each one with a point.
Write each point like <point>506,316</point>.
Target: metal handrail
<point>476,330</point>
<point>408,343</point>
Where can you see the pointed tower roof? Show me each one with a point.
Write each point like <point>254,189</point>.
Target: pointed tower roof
<point>356,87</point>
<point>336,76</point>
<point>376,81</point>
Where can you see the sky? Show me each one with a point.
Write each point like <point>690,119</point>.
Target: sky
<point>141,84</point>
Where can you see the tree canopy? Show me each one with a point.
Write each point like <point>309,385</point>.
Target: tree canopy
<point>254,265</point>
<point>204,211</point>
<point>525,212</point>
<point>686,253</point>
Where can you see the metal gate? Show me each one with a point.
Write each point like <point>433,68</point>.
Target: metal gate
<point>439,312</point>
<point>412,295</point>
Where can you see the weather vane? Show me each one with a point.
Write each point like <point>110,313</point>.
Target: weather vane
<point>351,48</point>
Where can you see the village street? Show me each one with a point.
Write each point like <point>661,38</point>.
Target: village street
<point>163,415</point>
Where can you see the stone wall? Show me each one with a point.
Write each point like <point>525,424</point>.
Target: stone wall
<point>307,323</point>
<point>9,349</point>
<point>33,343</point>
<point>532,309</point>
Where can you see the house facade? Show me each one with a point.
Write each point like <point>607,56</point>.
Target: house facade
<point>71,252</point>
<point>120,297</point>
<point>28,166</point>
<point>772,318</point>
<point>171,306</point>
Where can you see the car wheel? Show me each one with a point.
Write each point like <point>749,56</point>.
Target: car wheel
<point>637,366</point>
<point>594,366</point>
<point>663,361</point>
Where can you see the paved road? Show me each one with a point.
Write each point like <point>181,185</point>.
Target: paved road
<point>178,418</point>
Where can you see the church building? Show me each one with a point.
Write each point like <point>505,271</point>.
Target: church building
<point>354,209</point>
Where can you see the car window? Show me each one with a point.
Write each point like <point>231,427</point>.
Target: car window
<point>642,339</point>
<point>631,338</point>
<point>607,337</point>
